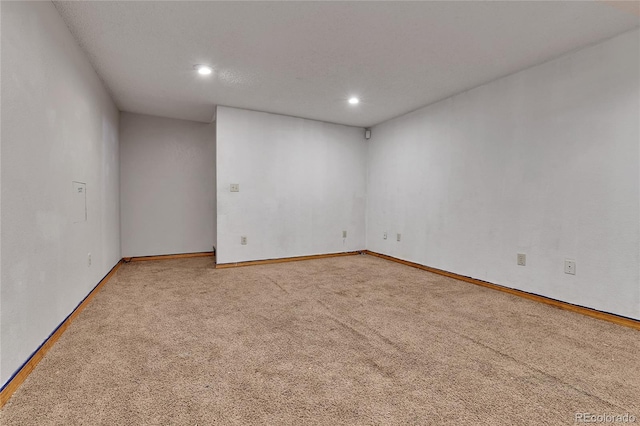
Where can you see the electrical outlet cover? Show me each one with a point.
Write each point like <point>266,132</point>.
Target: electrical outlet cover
<point>522,259</point>
<point>569,266</point>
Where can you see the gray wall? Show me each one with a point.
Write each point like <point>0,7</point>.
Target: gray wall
<point>302,183</point>
<point>544,162</point>
<point>58,125</point>
<point>167,185</point>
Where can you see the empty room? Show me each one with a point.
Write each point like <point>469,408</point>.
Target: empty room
<point>319,212</point>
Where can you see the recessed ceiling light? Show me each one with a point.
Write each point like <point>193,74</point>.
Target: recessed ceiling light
<point>203,69</point>
<point>354,100</point>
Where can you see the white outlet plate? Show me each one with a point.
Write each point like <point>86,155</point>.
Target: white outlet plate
<point>569,266</point>
<point>243,240</point>
<point>235,187</point>
<point>89,259</point>
<point>522,259</point>
<point>344,234</point>
<point>399,237</point>
<point>384,236</point>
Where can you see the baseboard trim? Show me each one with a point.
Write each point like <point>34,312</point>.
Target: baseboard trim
<point>616,319</point>
<point>20,376</point>
<point>286,259</point>
<point>167,256</point>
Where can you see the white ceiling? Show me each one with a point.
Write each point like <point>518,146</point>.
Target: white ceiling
<point>306,58</point>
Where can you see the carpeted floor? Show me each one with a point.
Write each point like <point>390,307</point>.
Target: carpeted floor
<point>341,341</point>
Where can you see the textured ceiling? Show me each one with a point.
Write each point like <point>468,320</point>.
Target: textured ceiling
<point>306,58</point>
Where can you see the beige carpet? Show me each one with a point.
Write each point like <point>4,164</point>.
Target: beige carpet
<point>351,340</point>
